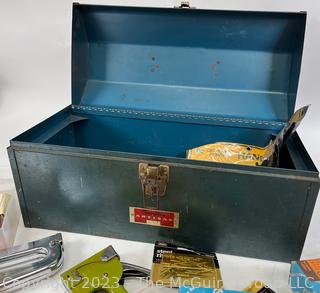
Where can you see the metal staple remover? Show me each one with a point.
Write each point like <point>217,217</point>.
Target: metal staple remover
<point>26,264</point>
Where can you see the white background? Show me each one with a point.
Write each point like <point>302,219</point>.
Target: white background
<point>35,59</point>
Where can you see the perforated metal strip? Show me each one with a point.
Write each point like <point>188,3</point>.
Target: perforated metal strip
<point>177,115</point>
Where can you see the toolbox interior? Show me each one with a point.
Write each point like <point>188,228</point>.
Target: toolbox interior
<point>223,64</point>
<point>161,138</point>
<point>154,137</point>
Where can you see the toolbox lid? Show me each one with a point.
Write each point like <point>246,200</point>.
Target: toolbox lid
<point>199,62</point>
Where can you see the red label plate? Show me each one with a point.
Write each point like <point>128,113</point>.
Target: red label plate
<point>154,217</point>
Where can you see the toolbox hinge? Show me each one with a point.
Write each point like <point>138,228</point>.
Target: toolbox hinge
<point>154,180</point>
<point>168,115</point>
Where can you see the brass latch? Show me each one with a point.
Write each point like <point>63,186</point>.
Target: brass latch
<point>154,180</point>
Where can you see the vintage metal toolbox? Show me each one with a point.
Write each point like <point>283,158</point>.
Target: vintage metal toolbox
<point>148,84</point>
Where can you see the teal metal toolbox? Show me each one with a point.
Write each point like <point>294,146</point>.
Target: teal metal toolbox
<point>147,85</point>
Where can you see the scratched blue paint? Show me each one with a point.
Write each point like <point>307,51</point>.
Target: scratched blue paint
<point>216,63</point>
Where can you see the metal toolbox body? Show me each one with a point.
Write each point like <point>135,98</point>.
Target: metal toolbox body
<point>148,84</point>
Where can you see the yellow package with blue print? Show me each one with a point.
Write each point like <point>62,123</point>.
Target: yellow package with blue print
<point>236,153</point>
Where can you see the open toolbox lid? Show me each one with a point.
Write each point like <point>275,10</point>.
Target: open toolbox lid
<point>237,64</point>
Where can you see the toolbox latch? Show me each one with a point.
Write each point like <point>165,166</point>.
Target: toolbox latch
<point>154,180</point>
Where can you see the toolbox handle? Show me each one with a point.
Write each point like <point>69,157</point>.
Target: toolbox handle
<point>185,5</point>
